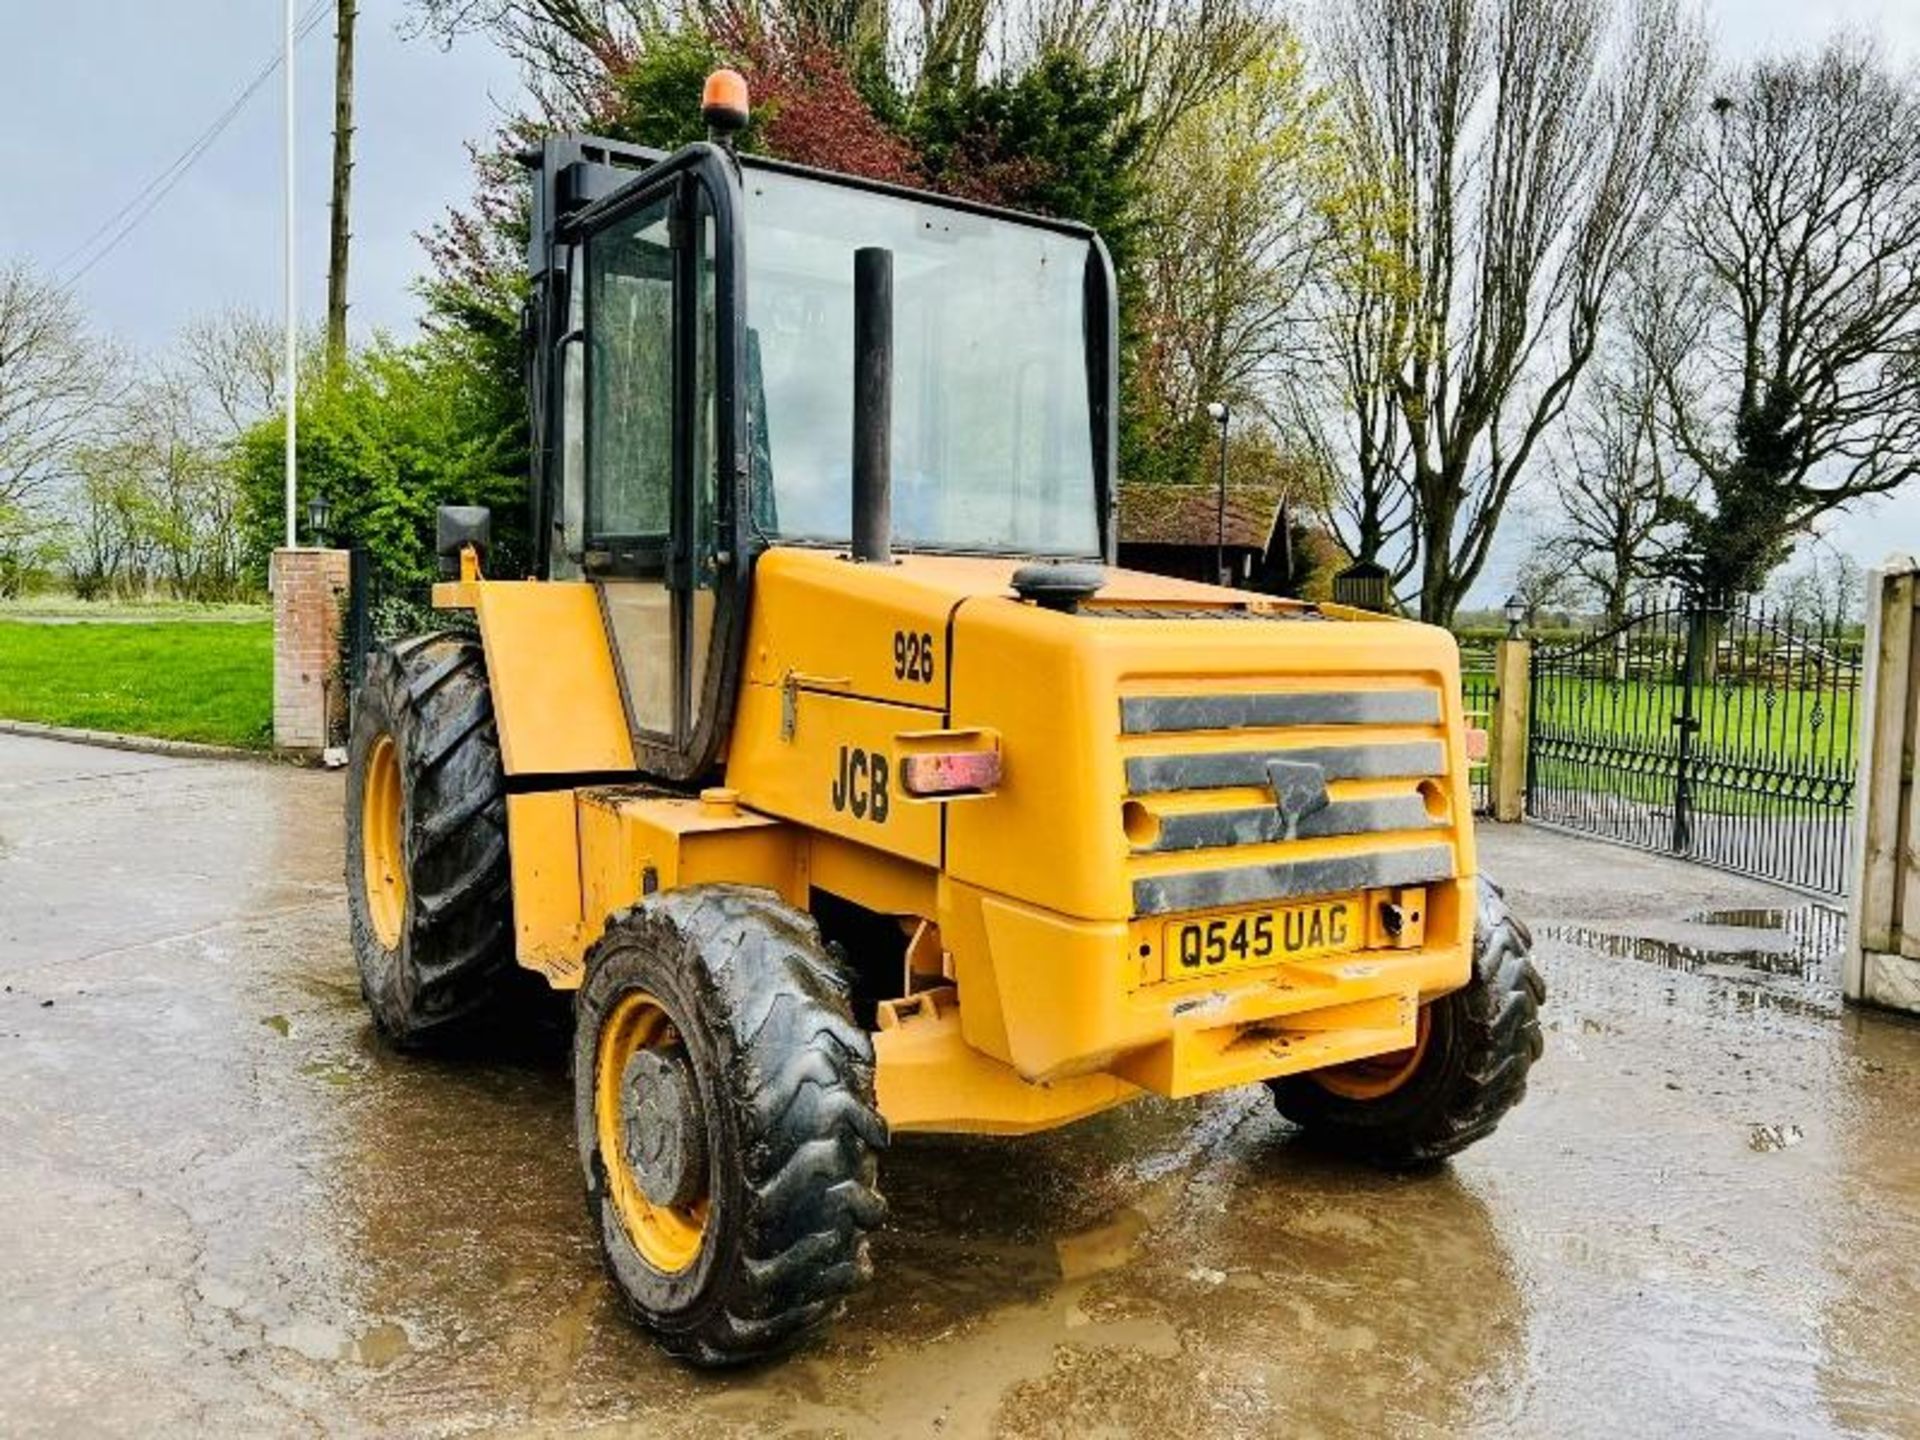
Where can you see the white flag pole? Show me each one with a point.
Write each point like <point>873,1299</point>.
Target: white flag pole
<point>293,343</point>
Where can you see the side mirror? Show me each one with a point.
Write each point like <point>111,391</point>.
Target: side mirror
<point>454,528</point>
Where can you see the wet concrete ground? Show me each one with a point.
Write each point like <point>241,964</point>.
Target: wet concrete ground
<point>223,1206</point>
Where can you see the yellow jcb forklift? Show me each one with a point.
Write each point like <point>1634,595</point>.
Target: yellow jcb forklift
<point>833,766</point>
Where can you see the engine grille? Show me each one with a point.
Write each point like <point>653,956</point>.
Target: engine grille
<point>1262,796</point>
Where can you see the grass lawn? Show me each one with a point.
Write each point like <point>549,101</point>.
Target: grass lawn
<point>1764,745</point>
<point>1760,749</point>
<point>61,605</point>
<point>1784,724</point>
<point>178,679</point>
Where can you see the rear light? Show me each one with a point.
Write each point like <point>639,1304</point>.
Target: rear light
<point>954,772</point>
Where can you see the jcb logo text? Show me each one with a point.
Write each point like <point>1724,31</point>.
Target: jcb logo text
<point>860,788</point>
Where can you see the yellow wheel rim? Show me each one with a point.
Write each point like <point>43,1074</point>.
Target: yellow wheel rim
<point>1380,1075</point>
<point>668,1237</point>
<point>382,850</point>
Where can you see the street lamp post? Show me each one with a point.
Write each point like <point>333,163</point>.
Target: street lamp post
<point>1221,415</point>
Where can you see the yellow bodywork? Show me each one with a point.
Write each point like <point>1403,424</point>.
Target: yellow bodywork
<point>1038,982</point>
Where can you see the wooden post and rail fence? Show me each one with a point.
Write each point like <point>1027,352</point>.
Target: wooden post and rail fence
<point>1882,965</point>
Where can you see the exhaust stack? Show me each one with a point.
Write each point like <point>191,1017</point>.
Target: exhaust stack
<point>873,405</point>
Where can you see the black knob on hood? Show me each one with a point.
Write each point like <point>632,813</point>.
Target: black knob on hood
<point>1058,584</point>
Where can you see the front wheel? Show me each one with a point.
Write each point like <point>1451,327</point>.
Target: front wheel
<point>725,1112</point>
<point>1466,1069</point>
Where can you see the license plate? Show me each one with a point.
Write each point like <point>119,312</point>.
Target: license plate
<point>1258,937</point>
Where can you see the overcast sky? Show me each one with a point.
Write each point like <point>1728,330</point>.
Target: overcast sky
<point>97,97</point>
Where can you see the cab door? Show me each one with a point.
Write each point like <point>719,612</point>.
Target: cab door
<point>651,527</point>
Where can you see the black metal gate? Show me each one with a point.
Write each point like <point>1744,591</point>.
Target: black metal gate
<point>1479,694</point>
<point>380,610</point>
<point>1715,732</point>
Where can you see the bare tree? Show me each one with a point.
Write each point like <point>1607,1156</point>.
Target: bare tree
<point>1616,479</point>
<point>152,500</point>
<point>566,49</point>
<point>54,379</point>
<point>1171,54</point>
<point>189,489</point>
<point>1800,391</point>
<point>1828,589</point>
<point>105,520</point>
<point>233,364</point>
<point>1542,580</point>
<point>1343,401</point>
<point>1174,56</point>
<point>1520,150</point>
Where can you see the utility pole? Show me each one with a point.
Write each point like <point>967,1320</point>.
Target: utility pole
<point>347,12</point>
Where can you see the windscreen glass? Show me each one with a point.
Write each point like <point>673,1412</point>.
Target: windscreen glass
<point>992,438</point>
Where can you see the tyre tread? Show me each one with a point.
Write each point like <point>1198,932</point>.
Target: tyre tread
<point>1442,1110</point>
<point>458,954</point>
<point>798,1077</point>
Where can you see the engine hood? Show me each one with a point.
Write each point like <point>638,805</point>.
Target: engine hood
<point>1145,737</point>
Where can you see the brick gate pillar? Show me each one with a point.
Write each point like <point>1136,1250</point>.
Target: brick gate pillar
<point>308,586</point>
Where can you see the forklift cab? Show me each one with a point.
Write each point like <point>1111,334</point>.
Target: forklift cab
<point>690,358</point>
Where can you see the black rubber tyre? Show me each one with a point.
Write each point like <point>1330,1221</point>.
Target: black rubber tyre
<point>1481,1041</point>
<point>787,1125</point>
<point>453,955</point>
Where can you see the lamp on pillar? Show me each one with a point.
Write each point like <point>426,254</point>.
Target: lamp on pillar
<point>1516,613</point>
<point>319,516</point>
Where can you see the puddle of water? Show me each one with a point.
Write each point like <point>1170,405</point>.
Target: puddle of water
<point>1791,963</point>
<point>1106,1248</point>
<point>1804,942</point>
<point>1117,1242</point>
<point>1814,932</point>
<point>1677,955</point>
<point>382,1345</point>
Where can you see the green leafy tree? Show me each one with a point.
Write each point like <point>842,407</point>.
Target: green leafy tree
<point>1230,238</point>
<point>1058,138</point>
<point>402,430</point>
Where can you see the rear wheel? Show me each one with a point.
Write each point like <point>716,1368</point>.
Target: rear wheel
<point>428,889</point>
<point>1466,1068</point>
<point>724,1107</point>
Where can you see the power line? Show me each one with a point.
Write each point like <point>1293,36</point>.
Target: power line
<point>149,196</point>
<point>171,175</point>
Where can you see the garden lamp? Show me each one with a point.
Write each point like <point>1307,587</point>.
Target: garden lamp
<point>319,513</point>
<point>1516,612</point>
